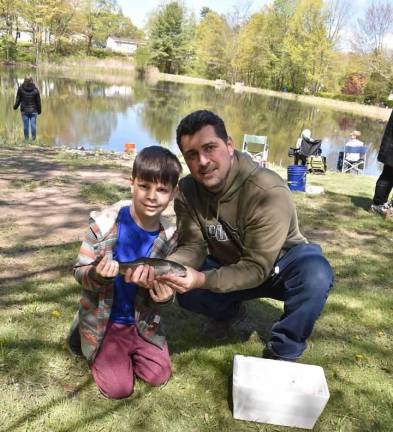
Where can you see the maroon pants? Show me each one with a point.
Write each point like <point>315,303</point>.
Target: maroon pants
<point>122,355</point>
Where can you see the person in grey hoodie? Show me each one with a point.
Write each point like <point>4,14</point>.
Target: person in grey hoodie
<point>29,100</point>
<point>237,224</point>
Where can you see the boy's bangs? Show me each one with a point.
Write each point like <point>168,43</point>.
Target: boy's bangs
<point>158,165</point>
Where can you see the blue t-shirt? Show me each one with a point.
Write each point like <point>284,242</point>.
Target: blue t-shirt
<point>133,242</point>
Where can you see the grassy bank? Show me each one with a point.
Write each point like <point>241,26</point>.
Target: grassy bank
<point>46,196</point>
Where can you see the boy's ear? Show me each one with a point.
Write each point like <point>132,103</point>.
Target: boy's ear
<point>131,181</point>
<point>174,192</point>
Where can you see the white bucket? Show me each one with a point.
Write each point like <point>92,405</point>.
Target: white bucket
<point>278,392</point>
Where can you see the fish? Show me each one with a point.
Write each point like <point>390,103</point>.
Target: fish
<point>161,266</point>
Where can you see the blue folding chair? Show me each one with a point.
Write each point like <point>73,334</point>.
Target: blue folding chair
<point>359,165</point>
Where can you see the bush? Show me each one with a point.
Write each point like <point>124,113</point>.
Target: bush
<point>339,96</point>
<point>8,48</point>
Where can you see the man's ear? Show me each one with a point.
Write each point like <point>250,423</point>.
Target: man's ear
<point>231,146</point>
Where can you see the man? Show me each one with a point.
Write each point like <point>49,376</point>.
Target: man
<point>354,142</point>
<point>28,97</point>
<point>384,185</point>
<point>238,224</point>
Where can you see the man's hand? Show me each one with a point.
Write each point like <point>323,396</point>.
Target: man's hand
<point>143,276</point>
<point>161,292</point>
<point>193,279</point>
<point>107,267</point>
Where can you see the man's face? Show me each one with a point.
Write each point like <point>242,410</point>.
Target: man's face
<point>150,199</point>
<point>208,157</point>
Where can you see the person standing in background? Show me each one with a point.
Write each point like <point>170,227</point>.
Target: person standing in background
<point>384,185</point>
<point>28,97</point>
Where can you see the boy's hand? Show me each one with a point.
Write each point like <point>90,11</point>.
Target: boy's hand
<point>161,292</point>
<point>107,267</point>
<point>143,276</point>
<point>193,279</point>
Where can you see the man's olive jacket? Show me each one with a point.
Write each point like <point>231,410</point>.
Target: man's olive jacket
<point>246,227</point>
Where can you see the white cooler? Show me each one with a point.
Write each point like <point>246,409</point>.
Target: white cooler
<point>278,392</point>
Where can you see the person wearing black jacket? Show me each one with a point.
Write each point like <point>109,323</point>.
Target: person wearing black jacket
<point>28,97</point>
<point>384,185</point>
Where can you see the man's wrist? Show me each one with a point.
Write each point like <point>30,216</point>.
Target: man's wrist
<point>201,280</point>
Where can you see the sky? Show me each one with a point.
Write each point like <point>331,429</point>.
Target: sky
<point>138,10</point>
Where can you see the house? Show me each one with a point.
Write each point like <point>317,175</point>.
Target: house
<point>121,45</point>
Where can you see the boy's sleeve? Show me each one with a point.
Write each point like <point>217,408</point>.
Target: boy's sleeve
<point>86,274</point>
<point>38,102</point>
<point>17,100</point>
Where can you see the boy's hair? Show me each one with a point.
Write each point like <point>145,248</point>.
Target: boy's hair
<point>157,164</point>
<point>195,121</point>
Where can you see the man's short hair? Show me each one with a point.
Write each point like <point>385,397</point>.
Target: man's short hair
<point>195,121</point>
<point>28,79</point>
<point>157,164</point>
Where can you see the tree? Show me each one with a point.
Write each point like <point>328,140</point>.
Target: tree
<point>170,34</point>
<point>253,52</point>
<point>8,20</point>
<point>354,84</point>
<point>371,36</point>
<point>211,46</point>
<point>310,43</point>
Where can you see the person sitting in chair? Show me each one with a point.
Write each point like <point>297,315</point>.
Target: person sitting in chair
<point>304,147</point>
<point>354,142</point>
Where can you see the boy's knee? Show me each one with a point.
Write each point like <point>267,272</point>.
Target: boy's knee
<point>117,390</point>
<point>158,376</point>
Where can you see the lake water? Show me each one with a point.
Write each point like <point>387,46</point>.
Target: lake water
<point>107,115</point>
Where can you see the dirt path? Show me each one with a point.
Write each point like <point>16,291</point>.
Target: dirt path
<point>41,203</point>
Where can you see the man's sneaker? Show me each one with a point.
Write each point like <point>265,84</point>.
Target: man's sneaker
<point>268,353</point>
<point>221,330</point>
<point>385,210</point>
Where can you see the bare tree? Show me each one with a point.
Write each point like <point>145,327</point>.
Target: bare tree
<point>372,30</point>
<point>336,13</point>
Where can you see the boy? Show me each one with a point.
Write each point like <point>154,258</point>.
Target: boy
<point>118,322</point>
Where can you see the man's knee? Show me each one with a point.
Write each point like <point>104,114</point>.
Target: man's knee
<point>316,275</point>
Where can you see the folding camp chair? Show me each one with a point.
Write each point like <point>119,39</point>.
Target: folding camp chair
<point>257,147</point>
<point>357,166</point>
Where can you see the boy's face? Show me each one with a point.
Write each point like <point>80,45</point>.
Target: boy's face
<point>150,199</point>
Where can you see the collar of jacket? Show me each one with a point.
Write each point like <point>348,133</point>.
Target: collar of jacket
<point>105,219</point>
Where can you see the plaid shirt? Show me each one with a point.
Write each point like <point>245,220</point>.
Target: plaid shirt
<point>97,292</point>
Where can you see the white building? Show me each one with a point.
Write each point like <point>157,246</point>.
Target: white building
<point>120,45</point>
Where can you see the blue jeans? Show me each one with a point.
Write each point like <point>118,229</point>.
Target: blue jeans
<point>29,119</point>
<point>303,282</point>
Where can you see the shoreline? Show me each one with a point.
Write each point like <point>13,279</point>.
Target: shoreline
<point>371,111</point>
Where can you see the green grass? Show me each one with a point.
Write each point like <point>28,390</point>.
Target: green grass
<point>42,388</point>
<point>104,192</point>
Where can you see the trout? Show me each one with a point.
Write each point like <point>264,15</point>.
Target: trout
<point>161,266</point>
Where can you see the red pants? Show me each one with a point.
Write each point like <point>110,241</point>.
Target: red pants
<point>122,355</point>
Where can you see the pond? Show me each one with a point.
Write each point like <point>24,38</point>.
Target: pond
<point>107,114</point>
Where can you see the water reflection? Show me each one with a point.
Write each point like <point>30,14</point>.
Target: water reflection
<point>81,112</point>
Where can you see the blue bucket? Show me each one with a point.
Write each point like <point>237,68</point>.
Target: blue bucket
<point>297,177</point>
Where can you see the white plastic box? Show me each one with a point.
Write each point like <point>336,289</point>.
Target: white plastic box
<point>278,392</point>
